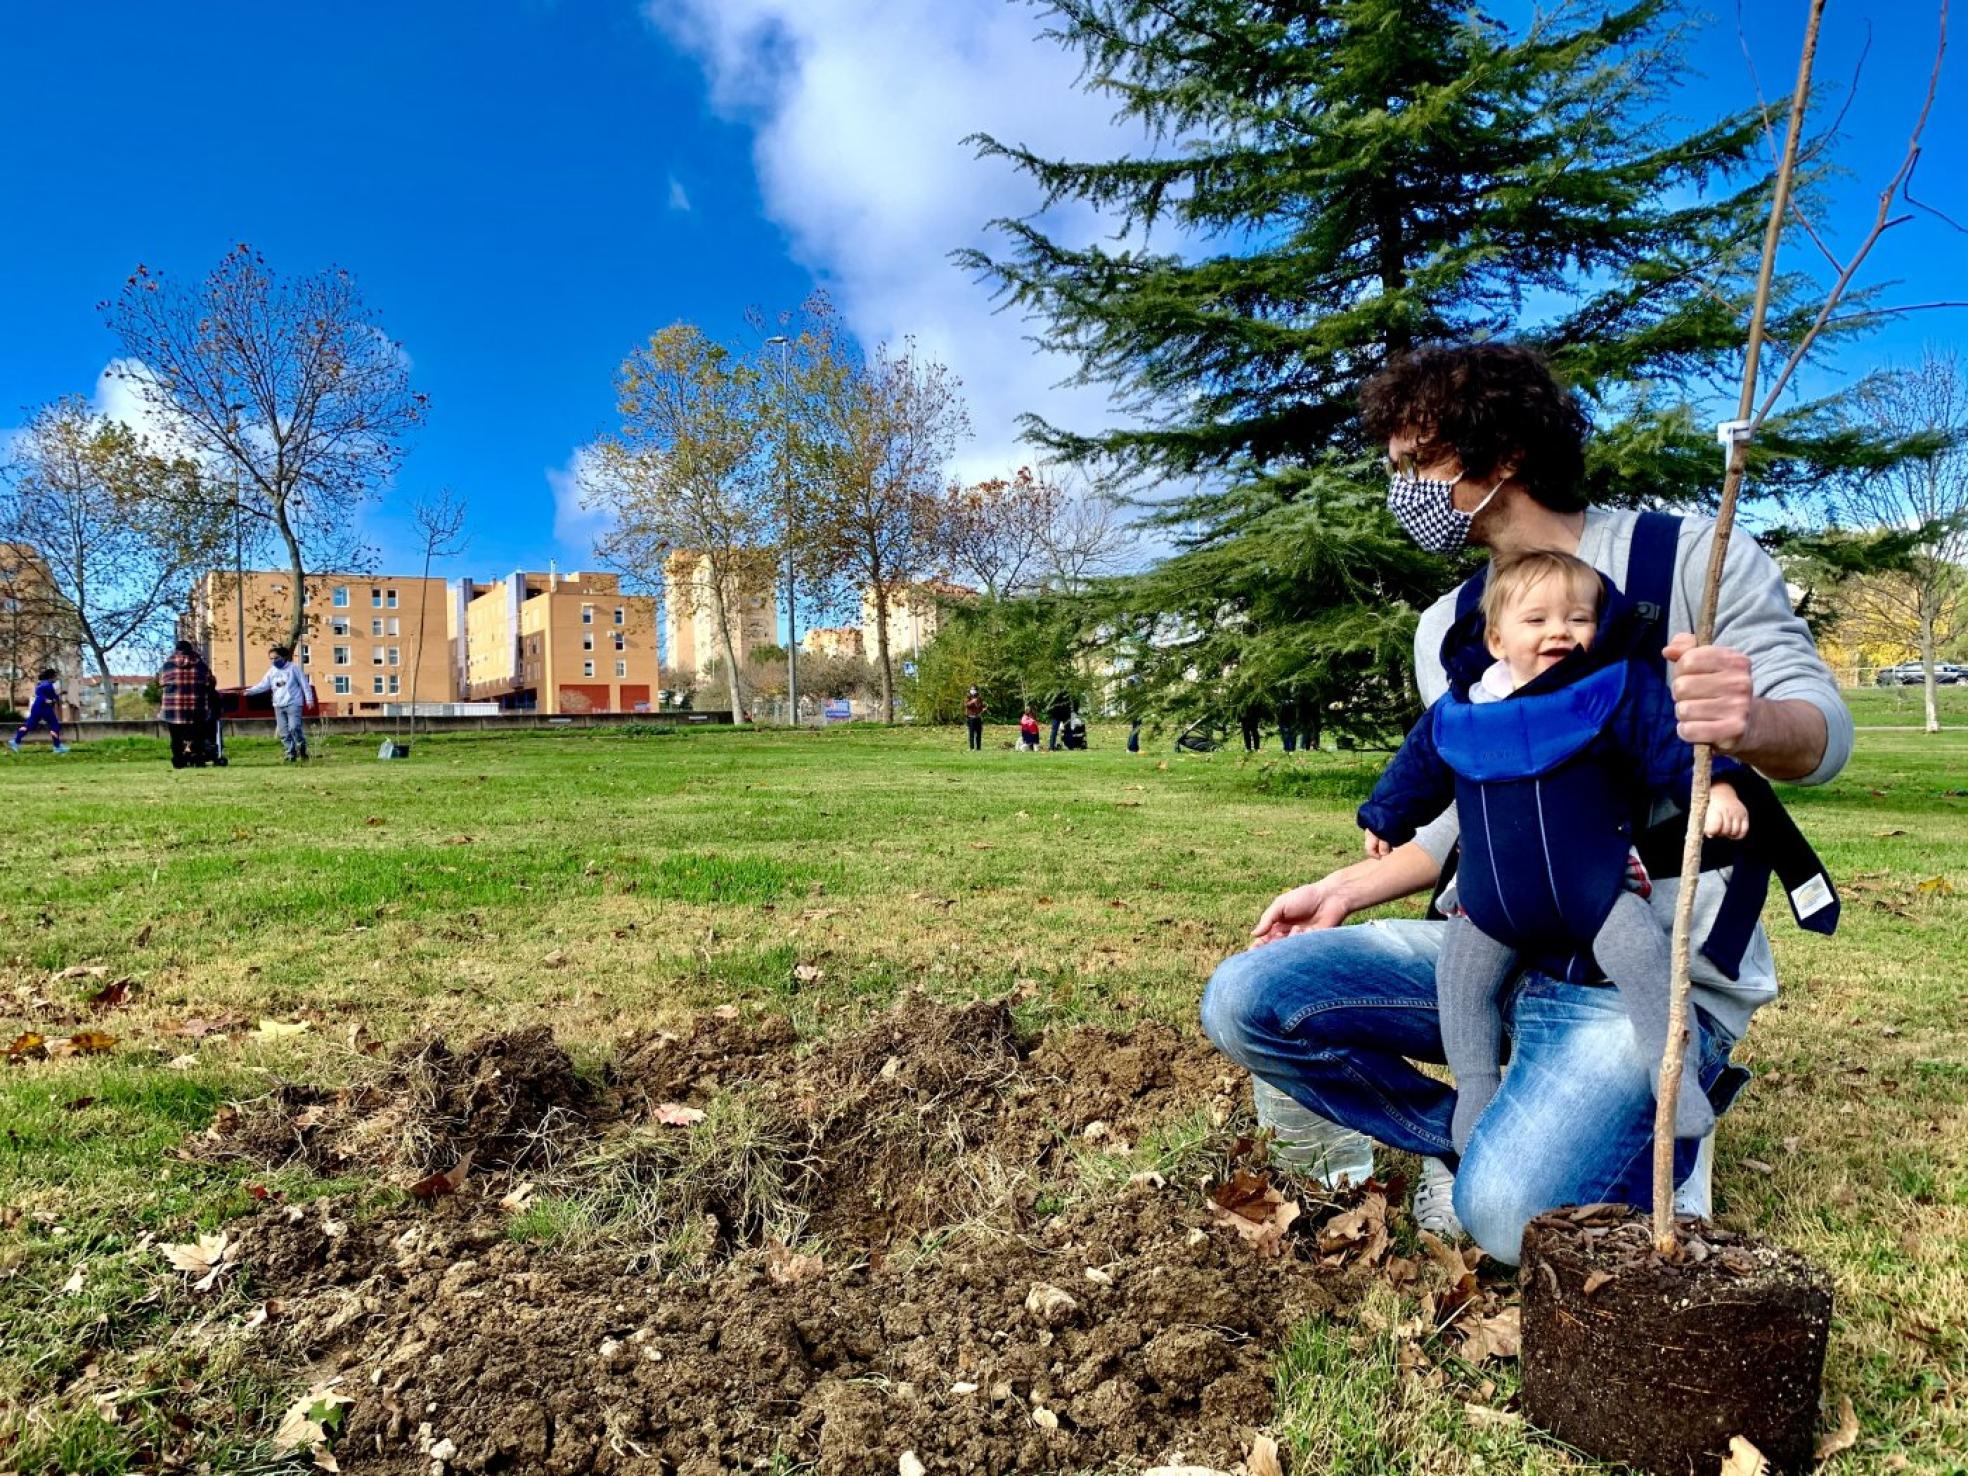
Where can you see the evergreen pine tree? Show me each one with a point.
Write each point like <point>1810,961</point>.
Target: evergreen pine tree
<point>1351,178</point>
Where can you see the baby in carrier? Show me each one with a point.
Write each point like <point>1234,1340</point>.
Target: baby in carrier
<point>1555,752</point>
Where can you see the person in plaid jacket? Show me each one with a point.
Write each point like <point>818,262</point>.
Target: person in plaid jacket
<point>190,704</point>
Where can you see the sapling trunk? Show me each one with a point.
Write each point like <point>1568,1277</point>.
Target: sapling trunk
<point>1725,517</point>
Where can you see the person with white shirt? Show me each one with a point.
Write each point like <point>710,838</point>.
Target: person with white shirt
<point>292,696</point>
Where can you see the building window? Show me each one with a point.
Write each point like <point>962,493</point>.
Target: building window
<point>621,616</point>
<point>375,598</point>
<point>376,657</point>
<point>621,668</point>
<point>389,598</point>
<point>587,668</point>
<point>379,686</point>
<point>394,628</point>
<point>395,656</point>
<point>587,640</point>
<point>343,686</point>
<point>341,655</point>
<point>621,641</point>
<point>395,684</point>
<point>376,626</point>
<point>341,597</point>
<point>307,654</point>
<point>587,614</point>
<point>339,625</point>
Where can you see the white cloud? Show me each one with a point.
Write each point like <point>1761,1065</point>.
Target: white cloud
<point>679,197</point>
<point>859,109</point>
<point>575,527</point>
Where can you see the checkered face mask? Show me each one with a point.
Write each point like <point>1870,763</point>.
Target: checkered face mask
<point>1427,512</point>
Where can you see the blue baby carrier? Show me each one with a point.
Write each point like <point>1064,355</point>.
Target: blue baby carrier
<point>1558,726</point>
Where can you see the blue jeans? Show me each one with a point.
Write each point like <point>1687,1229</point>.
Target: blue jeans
<point>1337,1019</point>
<point>288,728</point>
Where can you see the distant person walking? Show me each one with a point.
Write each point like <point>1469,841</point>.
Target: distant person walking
<point>1028,732</point>
<point>1059,712</point>
<point>1251,723</point>
<point>190,704</point>
<point>1288,722</point>
<point>43,711</point>
<point>291,696</point>
<point>974,719</point>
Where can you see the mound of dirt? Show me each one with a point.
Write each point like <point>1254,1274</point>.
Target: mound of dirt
<point>1124,1332</point>
<point>974,1275</point>
<point>506,1099</point>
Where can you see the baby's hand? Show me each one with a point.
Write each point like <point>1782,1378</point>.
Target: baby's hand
<point>1727,816</point>
<point>1375,846</point>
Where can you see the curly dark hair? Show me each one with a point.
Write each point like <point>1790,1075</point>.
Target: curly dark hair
<point>1487,403</point>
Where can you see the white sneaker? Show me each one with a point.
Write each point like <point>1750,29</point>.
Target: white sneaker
<point>1694,1195</point>
<point>1434,1201</point>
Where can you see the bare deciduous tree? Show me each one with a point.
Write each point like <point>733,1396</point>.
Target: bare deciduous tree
<point>284,388</point>
<point>117,528</point>
<point>880,441</point>
<point>686,483</point>
<point>1085,538</point>
<point>440,521</point>
<point>996,531</point>
<point>1929,492</point>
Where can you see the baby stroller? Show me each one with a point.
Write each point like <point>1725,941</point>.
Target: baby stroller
<point>1074,733</point>
<point>204,745</point>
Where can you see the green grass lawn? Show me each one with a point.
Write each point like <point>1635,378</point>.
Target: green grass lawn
<point>600,882</point>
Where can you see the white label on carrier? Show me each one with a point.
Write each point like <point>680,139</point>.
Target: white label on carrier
<point>1813,896</point>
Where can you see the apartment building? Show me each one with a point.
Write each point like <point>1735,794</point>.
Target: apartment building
<point>690,619</point>
<point>555,643</point>
<point>37,629</point>
<point>832,640</point>
<point>914,614</point>
<point>370,641</point>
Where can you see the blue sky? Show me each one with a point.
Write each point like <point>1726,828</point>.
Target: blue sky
<point>526,187</point>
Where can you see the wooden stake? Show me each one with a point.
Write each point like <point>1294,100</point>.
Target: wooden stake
<point>1725,517</point>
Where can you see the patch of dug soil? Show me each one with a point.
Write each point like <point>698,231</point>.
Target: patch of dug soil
<point>933,1114</point>
<point>936,1302</point>
<point>990,1354</point>
<point>504,1098</point>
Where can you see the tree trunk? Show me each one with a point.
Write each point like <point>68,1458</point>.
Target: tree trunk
<point>1927,665</point>
<point>719,603</point>
<point>881,650</point>
<point>297,620</point>
<point>102,670</point>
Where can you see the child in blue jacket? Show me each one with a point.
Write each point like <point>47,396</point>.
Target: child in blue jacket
<point>45,709</point>
<point>1554,756</point>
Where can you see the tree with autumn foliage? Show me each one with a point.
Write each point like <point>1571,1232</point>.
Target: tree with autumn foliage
<point>286,392</point>
<point>686,482</point>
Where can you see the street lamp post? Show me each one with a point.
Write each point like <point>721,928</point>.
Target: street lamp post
<point>792,607</point>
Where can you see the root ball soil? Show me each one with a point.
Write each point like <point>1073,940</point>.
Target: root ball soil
<point>918,1237</point>
<point>1655,1361</point>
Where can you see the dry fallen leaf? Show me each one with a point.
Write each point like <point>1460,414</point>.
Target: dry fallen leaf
<point>27,1046</point>
<point>310,1418</point>
<point>73,1286</point>
<point>1249,1204</point>
<point>432,1186</point>
<point>1845,1436</point>
<point>84,1043</point>
<point>554,960</point>
<point>1499,1335</point>
<point>1596,1280</point>
<point>1743,1459</point>
<point>809,973</point>
<point>112,995</point>
<point>910,1465</point>
<point>1362,1228</point>
<point>205,1258</point>
<point>1263,1458</point>
<point>519,1200</point>
<point>675,1114</point>
<point>281,1029</point>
